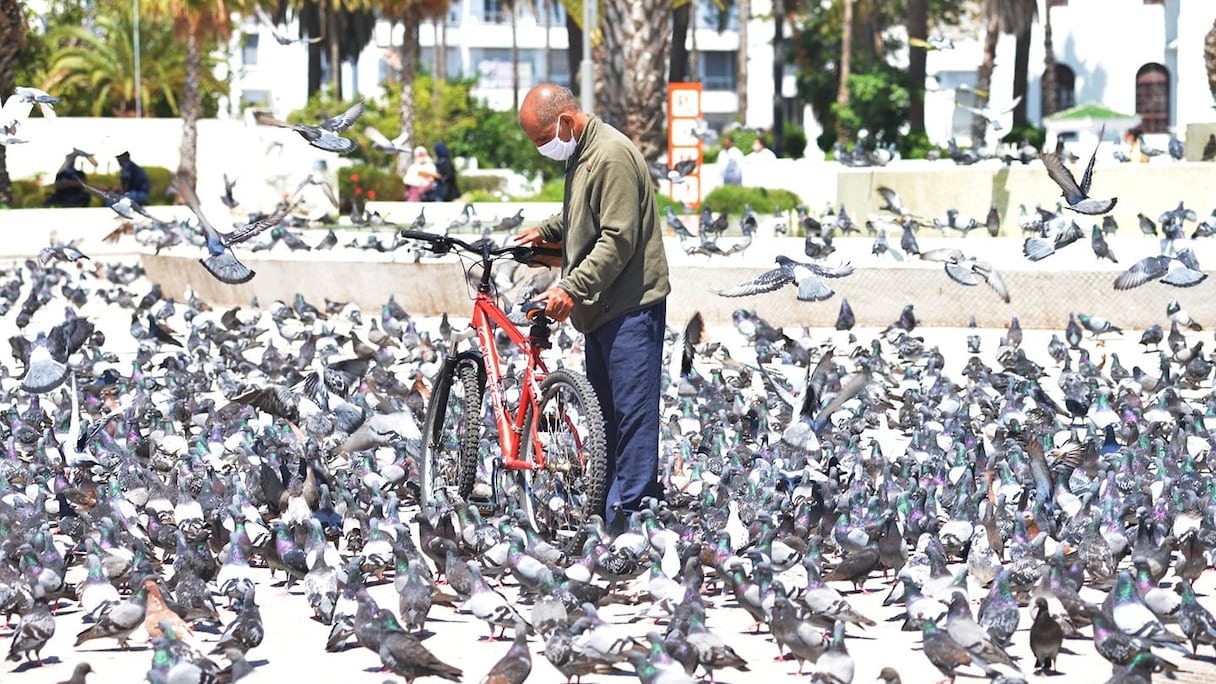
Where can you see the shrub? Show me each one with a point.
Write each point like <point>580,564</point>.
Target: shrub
<point>552,191</point>
<point>795,142</point>
<point>1033,134</point>
<point>368,183</point>
<point>732,199</point>
<point>485,183</point>
<point>29,193</point>
<point>915,145</point>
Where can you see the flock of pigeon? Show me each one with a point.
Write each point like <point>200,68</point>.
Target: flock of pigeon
<point>151,483</point>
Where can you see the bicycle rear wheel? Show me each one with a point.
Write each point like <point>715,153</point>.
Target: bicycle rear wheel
<point>572,484</point>
<point>452,430</point>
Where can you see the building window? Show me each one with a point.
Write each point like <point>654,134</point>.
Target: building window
<point>1066,87</point>
<point>717,70</point>
<point>1153,98</point>
<point>493,12</point>
<point>249,49</point>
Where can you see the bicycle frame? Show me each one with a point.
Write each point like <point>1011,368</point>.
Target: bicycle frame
<point>486,317</point>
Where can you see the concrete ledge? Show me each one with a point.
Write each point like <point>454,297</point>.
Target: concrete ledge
<point>1043,293</point>
<point>930,188</point>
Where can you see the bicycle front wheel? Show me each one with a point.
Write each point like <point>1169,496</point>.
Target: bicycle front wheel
<point>452,431</point>
<point>566,445</point>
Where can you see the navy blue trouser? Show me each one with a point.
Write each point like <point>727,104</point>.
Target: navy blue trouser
<point>624,365</point>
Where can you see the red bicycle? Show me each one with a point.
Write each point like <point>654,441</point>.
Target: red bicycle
<point>544,450</point>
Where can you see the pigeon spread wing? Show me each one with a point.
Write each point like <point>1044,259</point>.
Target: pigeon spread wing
<point>1141,272</point>
<point>377,137</point>
<point>963,274</point>
<point>1088,177</point>
<point>769,281</point>
<point>892,199</point>
<point>1062,177</point>
<point>344,120</point>
<point>254,228</point>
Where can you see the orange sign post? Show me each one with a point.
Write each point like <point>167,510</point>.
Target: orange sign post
<point>683,112</point>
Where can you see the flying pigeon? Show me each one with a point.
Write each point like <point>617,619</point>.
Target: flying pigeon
<point>1077,196</point>
<point>122,205</point>
<point>280,38</point>
<point>1180,271</point>
<point>381,143</point>
<point>220,262</point>
<point>966,270</point>
<point>325,136</point>
<point>46,358</point>
<point>810,287</point>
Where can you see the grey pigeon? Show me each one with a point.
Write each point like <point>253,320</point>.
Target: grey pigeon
<point>46,358</point>
<point>122,205</point>
<point>405,656</point>
<point>1077,196</point>
<point>324,136</point>
<point>966,270</point>
<point>1046,637</point>
<point>1180,271</point>
<point>788,271</point>
<point>33,632</point>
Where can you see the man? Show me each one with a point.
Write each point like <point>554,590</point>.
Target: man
<point>69,188</point>
<point>760,152</point>
<point>730,161</point>
<point>614,282</point>
<point>134,179</point>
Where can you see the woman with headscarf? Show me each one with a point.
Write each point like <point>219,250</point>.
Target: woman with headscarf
<point>445,188</point>
<point>420,176</point>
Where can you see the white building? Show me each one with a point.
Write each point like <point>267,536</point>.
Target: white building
<point>1136,56</point>
<point>477,36</point>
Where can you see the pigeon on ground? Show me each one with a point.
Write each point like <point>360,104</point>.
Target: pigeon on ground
<point>1077,196</point>
<point>788,271</point>
<point>1046,637</point>
<point>324,136</point>
<point>1101,249</point>
<point>966,270</point>
<point>33,632</point>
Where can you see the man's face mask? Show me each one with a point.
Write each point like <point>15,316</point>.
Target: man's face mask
<point>558,149</point>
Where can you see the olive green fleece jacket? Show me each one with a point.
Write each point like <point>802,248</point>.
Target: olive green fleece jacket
<point>613,259</point>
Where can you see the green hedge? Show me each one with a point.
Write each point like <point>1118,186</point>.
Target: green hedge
<point>553,191</point>
<point>31,194</point>
<point>732,199</point>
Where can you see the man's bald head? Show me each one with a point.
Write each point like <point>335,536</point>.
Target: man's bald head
<point>541,108</point>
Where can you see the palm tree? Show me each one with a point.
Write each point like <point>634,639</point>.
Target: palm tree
<point>846,49</point>
<point>1051,96</point>
<point>632,58</point>
<point>411,13</point>
<point>195,22</point>
<point>741,59</point>
<point>918,27</point>
<point>1000,16</point>
<point>1209,59</point>
<point>101,59</point>
<point>12,26</point>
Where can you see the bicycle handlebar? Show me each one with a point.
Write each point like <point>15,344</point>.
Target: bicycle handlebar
<point>443,243</point>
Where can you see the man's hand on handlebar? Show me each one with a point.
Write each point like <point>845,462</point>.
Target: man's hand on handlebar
<point>529,237</point>
<point>558,303</point>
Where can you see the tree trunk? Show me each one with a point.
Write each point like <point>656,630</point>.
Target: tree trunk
<point>918,27</point>
<point>187,167</point>
<point>405,77</point>
<point>1021,76</point>
<point>574,54</point>
<point>1051,96</point>
<point>547,7</point>
<point>633,68</point>
<point>678,68</point>
<point>741,60</point>
<point>332,38</point>
<point>316,51</point>
<point>846,47</point>
<point>510,6</point>
<point>1209,58</point>
<point>778,77</point>
<point>983,80</point>
<point>441,56</point>
<point>694,71</point>
<point>12,27</point>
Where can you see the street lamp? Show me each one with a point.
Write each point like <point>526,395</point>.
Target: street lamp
<point>139,106</point>
<point>587,68</point>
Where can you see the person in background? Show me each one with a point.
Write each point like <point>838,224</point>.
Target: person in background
<point>420,175</point>
<point>69,188</point>
<point>760,151</point>
<point>730,162</point>
<point>614,282</point>
<point>133,178</point>
<point>445,189</point>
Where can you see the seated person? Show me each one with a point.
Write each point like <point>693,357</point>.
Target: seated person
<point>69,191</point>
<point>420,176</point>
<point>134,180</point>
